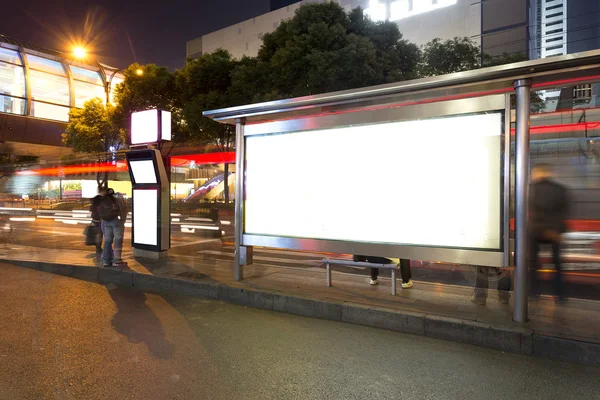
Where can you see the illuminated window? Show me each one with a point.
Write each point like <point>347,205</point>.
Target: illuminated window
<point>46,65</point>
<point>86,91</point>
<point>50,88</point>
<point>400,9</point>
<point>87,84</point>
<point>86,75</point>
<point>49,111</point>
<point>12,83</point>
<point>376,10</point>
<point>9,56</point>
<point>50,95</point>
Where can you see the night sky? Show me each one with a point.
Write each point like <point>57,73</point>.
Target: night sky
<point>121,32</point>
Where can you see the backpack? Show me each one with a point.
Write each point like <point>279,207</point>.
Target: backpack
<point>108,208</point>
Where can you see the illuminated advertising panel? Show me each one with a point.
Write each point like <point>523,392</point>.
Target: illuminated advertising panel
<point>150,126</point>
<point>433,182</point>
<point>143,171</point>
<point>145,217</point>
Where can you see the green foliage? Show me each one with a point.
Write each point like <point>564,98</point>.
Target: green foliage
<point>203,84</point>
<point>447,56</point>
<point>92,129</point>
<point>323,49</point>
<point>154,88</point>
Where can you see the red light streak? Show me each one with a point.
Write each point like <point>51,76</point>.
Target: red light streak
<point>76,169</point>
<point>548,129</point>
<point>203,159</point>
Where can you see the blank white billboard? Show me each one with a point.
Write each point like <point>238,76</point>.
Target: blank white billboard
<point>143,171</point>
<point>145,216</point>
<point>433,182</point>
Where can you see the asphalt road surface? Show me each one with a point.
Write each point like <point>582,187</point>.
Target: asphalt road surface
<point>61,338</point>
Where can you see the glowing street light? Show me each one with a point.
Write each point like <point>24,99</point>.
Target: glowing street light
<point>139,72</point>
<point>79,52</point>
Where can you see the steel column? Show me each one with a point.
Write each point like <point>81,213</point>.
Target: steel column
<point>239,195</point>
<point>507,176</point>
<point>523,93</point>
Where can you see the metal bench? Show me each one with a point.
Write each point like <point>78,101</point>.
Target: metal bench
<point>359,264</point>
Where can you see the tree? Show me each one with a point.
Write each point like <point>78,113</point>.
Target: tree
<point>398,59</point>
<point>92,129</point>
<point>204,84</point>
<point>154,88</point>
<point>445,57</point>
<point>323,49</point>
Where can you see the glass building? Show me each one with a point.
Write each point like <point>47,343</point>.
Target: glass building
<point>43,83</point>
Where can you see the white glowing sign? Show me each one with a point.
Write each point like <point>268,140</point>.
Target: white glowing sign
<point>143,171</point>
<point>145,218</point>
<point>150,126</point>
<point>400,9</point>
<point>433,182</point>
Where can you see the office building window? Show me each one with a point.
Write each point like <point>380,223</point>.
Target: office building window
<point>12,83</point>
<point>50,96</point>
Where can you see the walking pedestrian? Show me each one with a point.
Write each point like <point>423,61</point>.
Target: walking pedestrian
<point>483,277</point>
<point>548,206</point>
<point>113,212</point>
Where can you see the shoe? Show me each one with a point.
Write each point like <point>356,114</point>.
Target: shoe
<point>120,264</point>
<point>107,265</point>
<point>407,285</point>
<point>502,300</point>
<point>374,281</point>
<point>477,300</point>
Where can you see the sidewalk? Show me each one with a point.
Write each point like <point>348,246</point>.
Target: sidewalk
<point>569,331</point>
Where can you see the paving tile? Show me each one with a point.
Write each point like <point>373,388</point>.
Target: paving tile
<point>578,319</point>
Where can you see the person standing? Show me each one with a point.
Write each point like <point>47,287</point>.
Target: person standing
<point>97,221</point>
<point>113,211</point>
<point>548,206</point>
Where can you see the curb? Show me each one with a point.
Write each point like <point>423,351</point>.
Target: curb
<point>510,339</point>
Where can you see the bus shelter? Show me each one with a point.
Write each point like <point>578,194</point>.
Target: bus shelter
<point>308,165</point>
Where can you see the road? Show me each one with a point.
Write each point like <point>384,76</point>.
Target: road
<point>61,338</point>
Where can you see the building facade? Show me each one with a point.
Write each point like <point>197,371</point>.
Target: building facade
<point>535,28</point>
<point>419,21</point>
<point>38,88</point>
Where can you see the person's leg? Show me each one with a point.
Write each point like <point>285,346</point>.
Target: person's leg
<point>504,286</point>
<point>374,273</point>
<point>405,270</point>
<point>481,285</point>
<point>99,237</point>
<point>119,230</point>
<point>558,279</point>
<point>534,248</point>
<point>107,253</point>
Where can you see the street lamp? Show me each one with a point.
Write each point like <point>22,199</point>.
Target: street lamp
<point>79,52</point>
<point>139,72</point>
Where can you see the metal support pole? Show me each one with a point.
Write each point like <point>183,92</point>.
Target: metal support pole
<point>239,196</point>
<point>523,93</point>
<point>328,276</point>
<point>394,282</point>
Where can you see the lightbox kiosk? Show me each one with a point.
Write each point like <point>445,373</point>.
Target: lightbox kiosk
<point>150,236</point>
